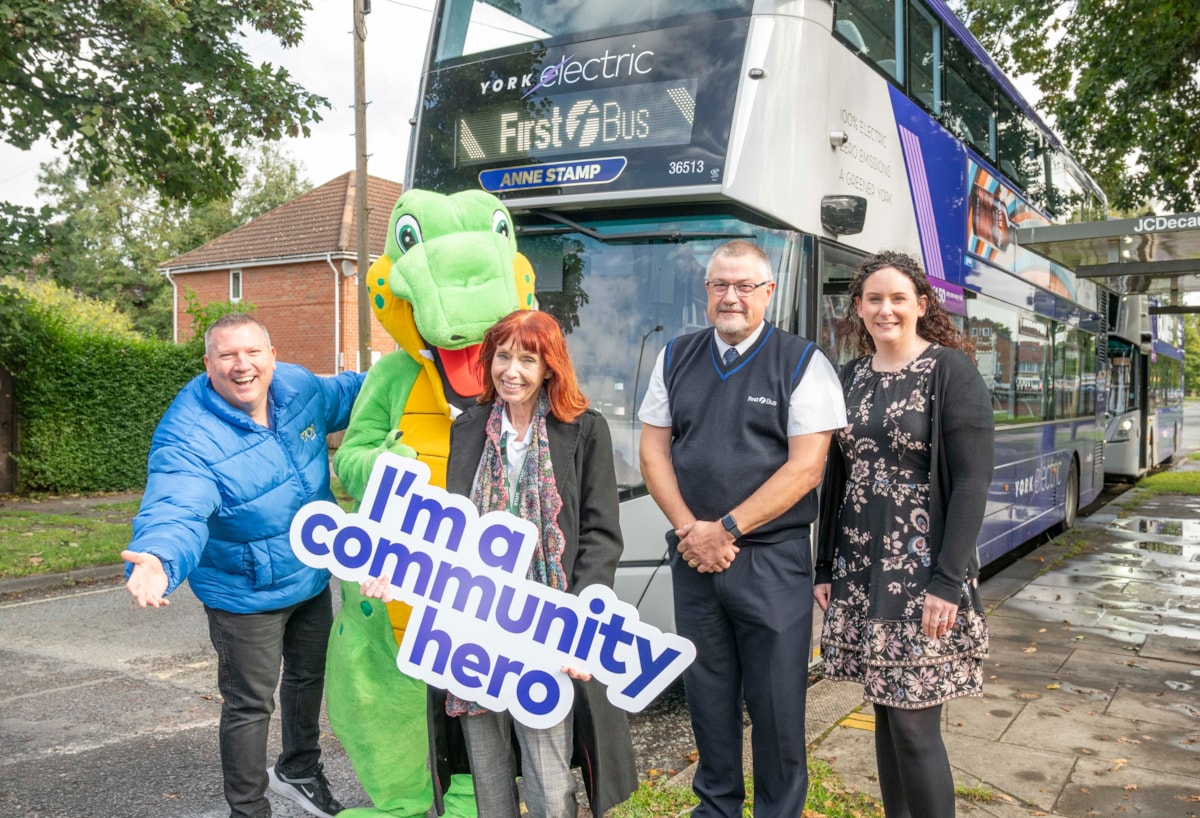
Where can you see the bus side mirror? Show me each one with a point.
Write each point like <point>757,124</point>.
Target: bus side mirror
<point>843,215</point>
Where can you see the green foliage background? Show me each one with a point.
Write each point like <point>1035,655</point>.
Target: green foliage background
<point>106,241</point>
<point>1191,359</point>
<point>88,406</point>
<point>88,395</point>
<point>1119,82</point>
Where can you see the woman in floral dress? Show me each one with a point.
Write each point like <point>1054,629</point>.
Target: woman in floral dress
<point>901,506</point>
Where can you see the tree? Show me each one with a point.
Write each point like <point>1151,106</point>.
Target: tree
<point>106,241</point>
<point>73,313</point>
<point>205,315</point>
<point>1120,80</point>
<point>1191,354</point>
<point>161,90</point>
<point>275,178</point>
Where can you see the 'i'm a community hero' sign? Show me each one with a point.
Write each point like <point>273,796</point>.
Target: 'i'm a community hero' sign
<point>479,628</point>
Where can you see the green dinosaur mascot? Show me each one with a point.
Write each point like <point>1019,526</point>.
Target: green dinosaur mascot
<point>450,270</point>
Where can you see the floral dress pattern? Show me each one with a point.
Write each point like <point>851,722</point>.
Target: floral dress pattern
<point>872,631</point>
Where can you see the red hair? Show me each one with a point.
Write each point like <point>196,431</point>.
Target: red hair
<point>535,331</point>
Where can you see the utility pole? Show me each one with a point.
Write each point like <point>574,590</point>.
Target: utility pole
<point>361,9</point>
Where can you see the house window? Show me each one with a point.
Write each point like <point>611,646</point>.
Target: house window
<point>235,285</point>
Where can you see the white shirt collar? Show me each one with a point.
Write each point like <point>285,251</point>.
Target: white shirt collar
<point>743,346</point>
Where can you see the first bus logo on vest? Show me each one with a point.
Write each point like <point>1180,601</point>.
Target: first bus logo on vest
<point>479,628</point>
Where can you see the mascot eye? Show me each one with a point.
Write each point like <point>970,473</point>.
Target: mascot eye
<point>500,223</point>
<point>408,233</point>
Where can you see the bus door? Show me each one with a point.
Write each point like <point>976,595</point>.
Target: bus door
<point>836,265</point>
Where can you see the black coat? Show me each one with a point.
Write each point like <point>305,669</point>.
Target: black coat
<point>582,454</point>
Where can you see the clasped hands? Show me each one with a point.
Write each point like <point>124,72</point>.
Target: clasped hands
<point>706,546</point>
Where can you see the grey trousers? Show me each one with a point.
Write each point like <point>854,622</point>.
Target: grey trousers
<point>545,767</point>
<point>249,649</point>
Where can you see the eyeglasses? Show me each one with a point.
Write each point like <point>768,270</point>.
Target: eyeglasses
<point>743,289</point>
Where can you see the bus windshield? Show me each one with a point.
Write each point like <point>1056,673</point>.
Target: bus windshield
<point>475,26</point>
<point>1125,370</point>
<point>620,299</point>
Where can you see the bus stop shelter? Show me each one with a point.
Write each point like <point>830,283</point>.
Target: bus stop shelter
<point>1149,255</point>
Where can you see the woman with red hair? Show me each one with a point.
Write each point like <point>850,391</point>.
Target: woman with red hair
<point>532,447</point>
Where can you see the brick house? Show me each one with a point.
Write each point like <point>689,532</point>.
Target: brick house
<point>297,266</point>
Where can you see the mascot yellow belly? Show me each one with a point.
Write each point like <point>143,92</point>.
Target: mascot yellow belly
<point>450,270</point>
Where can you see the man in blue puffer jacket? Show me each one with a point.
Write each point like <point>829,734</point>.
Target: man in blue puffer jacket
<point>236,455</point>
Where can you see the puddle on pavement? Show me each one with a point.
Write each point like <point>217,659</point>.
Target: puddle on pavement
<point>1185,709</point>
<point>1184,529</point>
<point>1190,743</point>
<point>1161,547</point>
<point>1087,692</point>
<point>1169,528</point>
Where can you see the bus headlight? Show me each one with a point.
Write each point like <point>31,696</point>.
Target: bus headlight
<point>1123,429</point>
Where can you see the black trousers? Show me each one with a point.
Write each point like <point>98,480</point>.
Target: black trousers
<point>249,649</point>
<point>752,627</point>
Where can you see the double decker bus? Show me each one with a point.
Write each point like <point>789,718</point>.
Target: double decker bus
<point>630,139</point>
<point>1145,388</point>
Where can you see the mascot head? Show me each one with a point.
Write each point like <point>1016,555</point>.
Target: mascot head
<point>450,269</point>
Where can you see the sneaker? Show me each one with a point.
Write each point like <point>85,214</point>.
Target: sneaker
<point>311,793</point>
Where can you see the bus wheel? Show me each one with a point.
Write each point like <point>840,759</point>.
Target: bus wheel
<point>1071,501</point>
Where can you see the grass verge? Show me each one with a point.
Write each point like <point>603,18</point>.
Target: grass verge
<point>1165,482</point>
<point>34,542</point>
<point>1170,482</point>
<point>828,797</point>
<point>40,542</point>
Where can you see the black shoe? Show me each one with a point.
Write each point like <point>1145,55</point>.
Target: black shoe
<point>311,793</point>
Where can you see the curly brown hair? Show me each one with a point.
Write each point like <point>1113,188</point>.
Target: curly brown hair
<point>935,325</point>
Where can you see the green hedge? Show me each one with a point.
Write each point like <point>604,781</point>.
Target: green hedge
<point>87,402</point>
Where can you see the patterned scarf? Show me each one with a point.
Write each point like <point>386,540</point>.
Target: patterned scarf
<point>537,497</point>
<point>537,501</point>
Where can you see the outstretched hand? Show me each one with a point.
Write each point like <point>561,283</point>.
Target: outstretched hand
<point>148,582</point>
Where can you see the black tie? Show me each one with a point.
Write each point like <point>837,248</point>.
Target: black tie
<point>731,355</point>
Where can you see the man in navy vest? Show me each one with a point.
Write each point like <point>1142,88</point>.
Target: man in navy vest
<point>736,424</point>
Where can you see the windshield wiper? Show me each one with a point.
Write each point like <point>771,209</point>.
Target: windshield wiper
<point>566,225</point>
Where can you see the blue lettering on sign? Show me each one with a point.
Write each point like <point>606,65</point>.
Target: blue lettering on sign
<point>479,628</point>
<point>553,174</point>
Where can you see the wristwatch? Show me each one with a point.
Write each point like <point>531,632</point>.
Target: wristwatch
<point>731,526</point>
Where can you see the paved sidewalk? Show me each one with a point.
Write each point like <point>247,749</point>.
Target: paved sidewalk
<point>1091,699</point>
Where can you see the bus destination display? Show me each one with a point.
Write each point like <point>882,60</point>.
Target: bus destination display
<point>654,114</point>
<point>626,113</point>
